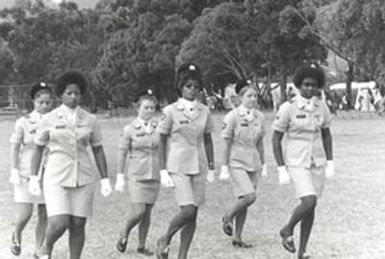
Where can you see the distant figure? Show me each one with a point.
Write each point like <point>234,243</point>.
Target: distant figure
<point>113,110</point>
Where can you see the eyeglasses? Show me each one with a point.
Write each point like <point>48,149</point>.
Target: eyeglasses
<point>191,86</point>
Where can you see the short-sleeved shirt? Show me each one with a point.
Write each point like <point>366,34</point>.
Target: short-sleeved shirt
<point>186,153</point>
<point>303,131</point>
<point>244,134</point>
<point>23,134</point>
<point>69,163</point>
<point>141,141</point>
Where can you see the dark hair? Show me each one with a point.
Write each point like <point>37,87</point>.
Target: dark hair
<point>71,77</point>
<point>241,84</point>
<point>309,72</point>
<point>146,95</point>
<point>39,88</point>
<point>186,72</point>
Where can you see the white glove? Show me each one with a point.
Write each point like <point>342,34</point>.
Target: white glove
<point>105,188</point>
<point>34,185</point>
<point>14,178</point>
<point>120,182</point>
<point>329,170</point>
<point>264,171</point>
<point>225,174</point>
<point>165,179</point>
<point>210,176</point>
<point>283,175</point>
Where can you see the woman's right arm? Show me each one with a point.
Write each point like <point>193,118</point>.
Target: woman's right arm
<point>15,152</point>
<point>277,147</point>
<point>122,154</point>
<point>37,155</point>
<point>226,151</point>
<point>163,151</point>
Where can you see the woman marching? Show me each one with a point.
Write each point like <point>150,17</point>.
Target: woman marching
<point>305,120</point>
<point>243,157</point>
<point>69,179</point>
<point>186,125</point>
<point>22,140</point>
<point>140,142</point>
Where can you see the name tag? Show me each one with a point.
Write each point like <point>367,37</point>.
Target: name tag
<point>183,122</point>
<point>301,116</point>
<point>81,125</point>
<point>32,131</point>
<point>140,135</point>
<point>244,124</point>
<point>60,127</point>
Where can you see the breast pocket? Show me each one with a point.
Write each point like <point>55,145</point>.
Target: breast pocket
<point>318,119</point>
<point>60,133</point>
<point>302,122</point>
<point>83,134</point>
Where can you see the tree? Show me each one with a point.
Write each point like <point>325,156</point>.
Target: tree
<point>142,55</point>
<point>224,40</point>
<point>232,39</point>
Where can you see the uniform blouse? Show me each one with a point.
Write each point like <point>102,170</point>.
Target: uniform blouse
<point>302,124</point>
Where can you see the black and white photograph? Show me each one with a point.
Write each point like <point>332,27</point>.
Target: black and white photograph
<point>192,129</point>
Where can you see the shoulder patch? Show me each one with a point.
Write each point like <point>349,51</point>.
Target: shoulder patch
<point>162,116</point>
<point>224,125</point>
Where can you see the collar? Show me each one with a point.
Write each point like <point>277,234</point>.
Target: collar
<point>185,104</point>
<point>35,116</point>
<point>307,104</point>
<point>69,111</point>
<point>139,122</point>
<point>243,111</point>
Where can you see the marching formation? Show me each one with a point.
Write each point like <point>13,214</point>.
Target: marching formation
<point>51,166</point>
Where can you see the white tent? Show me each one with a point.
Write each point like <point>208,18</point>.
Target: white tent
<point>355,85</point>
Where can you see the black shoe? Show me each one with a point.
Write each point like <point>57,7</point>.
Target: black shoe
<point>122,244</point>
<point>162,249</point>
<point>304,256</point>
<point>241,244</point>
<point>15,246</point>
<point>227,226</point>
<point>287,241</point>
<point>144,251</point>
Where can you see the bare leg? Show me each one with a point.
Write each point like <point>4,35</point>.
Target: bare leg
<point>307,203</point>
<point>136,213</point>
<point>41,225</point>
<point>23,214</point>
<point>187,214</point>
<point>306,226</point>
<point>144,226</point>
<point>186,236</point>
<point>76,236</point>
<point>241,203</point>
<point>239,223</point>
<point>56,227</point>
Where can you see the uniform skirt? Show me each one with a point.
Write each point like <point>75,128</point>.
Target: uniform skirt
<point>308,181</point>
<point>144,191</point>
<point>22,195</point>
<point>75,201</point>
<point>189,189</point>
<point>244,182</point>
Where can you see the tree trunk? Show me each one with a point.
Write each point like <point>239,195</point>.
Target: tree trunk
<point>349,80</point>
<point>283,87</point>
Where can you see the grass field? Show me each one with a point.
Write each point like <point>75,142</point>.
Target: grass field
<point>350,219</point>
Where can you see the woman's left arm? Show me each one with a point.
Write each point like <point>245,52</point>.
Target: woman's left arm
<point>100,159</point>
<point>327,143</point>
<point>209,147</point>
<point>261,150</point>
